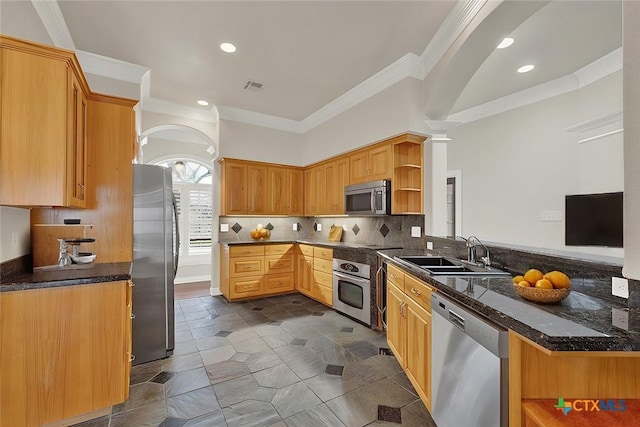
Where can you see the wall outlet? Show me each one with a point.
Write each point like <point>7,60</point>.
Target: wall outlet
<point>620,318</point>
<point>295,226</point>
<point>416,231</point>
<point>224,228</point>
<point>319,227</point>
<point>620,287</point>
<point>550,216</point>
<point>430,245</point>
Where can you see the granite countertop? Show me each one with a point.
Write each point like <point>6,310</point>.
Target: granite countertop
<point>105,272</point>
<point>580,322</point>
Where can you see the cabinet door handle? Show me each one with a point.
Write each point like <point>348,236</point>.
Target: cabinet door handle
<point>246,252</point>
<point>132,358</point>
<point>413,291</point>
<point>133,316</point>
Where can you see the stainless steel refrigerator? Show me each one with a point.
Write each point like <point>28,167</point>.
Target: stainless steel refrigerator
<point>155,260</point>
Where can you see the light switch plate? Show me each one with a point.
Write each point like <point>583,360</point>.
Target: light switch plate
<point>416,231</point>
<point>620,318</point>
<point>620,287</point>
<point>430,245</point>
<point>295,226</point>
<point>224,228</point>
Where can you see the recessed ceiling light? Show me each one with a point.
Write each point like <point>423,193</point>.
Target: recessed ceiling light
<point>526,68</point>
<point>508,41</point>
<point>228,47</point>
<point>203,102</point>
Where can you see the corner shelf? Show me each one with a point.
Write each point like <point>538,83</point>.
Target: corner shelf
<point>407,178</point>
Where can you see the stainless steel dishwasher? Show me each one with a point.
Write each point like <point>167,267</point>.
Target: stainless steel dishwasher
<point>469,368</point>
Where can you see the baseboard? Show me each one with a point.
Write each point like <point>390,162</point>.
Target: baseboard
<point>214,291</point>
<point>192,279</point>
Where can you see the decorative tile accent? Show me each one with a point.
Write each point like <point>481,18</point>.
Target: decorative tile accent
<point>298,341</point>
<point>257,308</point>
<point>384,230</point>
<point>355,229</point>
<point>345,329</point>
<point>334,370</point>
<point>162,377</point>
<point>389,414</point>
<point>224,333</point>
<point>299,227</point>
<point>315,226</point>
<point>385,351</point>
<point>296,302</point>
<point>269,227</point>
<point>317,313</point>
<point>236,227</point>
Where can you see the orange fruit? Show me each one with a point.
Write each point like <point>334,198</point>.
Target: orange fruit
<point>544,284</point>
<point>518,279</point>
<point>532,276</point>
<point>524,284</point>
<point>558,279</point>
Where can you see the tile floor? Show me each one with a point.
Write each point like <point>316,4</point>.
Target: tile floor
<point>279,361</point>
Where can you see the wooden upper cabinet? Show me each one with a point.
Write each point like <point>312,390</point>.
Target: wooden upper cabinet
<point>42,121</point>
<point>371,164</point>
<point>336,178</point>
<point>257,189</point>
<point>314,191</point>
<point>234,188</point>
<point>286,189</point>
<point>77,155</point>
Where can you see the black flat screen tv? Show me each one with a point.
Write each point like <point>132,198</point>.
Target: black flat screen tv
<point>594,220</point>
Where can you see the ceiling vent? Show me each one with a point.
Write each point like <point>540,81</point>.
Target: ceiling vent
<point>251,85</point>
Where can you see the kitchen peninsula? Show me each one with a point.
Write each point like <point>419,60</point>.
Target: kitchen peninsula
<point>570,349</point>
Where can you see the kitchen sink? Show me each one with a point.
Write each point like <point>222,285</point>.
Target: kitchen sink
<point>440,266</point>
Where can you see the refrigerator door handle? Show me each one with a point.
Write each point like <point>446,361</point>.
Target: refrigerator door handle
<point>176,256</point>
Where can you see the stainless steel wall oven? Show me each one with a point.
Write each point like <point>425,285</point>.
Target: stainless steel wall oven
<point>352,289</point>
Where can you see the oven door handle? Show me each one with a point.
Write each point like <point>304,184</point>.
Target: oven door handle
<point>351,278</point>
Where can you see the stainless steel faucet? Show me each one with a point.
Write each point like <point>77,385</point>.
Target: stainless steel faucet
<point>471,243</point>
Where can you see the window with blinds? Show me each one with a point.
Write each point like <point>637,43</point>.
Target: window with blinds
<point>195,213</point>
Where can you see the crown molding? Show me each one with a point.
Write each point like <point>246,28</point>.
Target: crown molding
<point>53,21</point>
<point>407,66</point>
<point>100,65</point>
<point>588,74</point>
<point>454,24</point>
<point>259,119</point>
<point>596,122</point>
<point>161,106</point>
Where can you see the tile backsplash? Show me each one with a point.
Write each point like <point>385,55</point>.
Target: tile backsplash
<point>368,230</point>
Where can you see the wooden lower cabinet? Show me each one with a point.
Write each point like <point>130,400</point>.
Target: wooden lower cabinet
<point>304,269</point>
<point>409,332</point>
<point>249,271</point>
<point>64,351</point>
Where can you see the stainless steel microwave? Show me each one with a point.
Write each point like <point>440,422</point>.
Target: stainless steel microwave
<point>370,198</point>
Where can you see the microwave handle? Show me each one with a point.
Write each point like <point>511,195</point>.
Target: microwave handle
<point>373,201</point>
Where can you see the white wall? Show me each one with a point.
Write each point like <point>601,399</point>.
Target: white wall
<point>243,141</point>
<point>631,36</point>
<point>521,162</point>
<point>107,86</point>
<point>15,233</point>
<point>395,110</point>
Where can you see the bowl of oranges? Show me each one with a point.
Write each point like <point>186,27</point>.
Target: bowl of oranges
<point>547,288</point>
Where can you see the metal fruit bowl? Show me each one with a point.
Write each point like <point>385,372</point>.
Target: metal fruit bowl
<point>542,295</point>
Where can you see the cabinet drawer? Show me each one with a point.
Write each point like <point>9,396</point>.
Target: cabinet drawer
<point>278,264</point>
<point>324,279</point>
<point>306,249</point>
<point>278,249</point>
<point>323,265</point>
<point>245,287</point>
<point>241,251</point>
<point>239,267</point>
<point>278,283</point>
<point>322,294</point>
<point>418,291</point>
<point>395,276</point>
<point>323,253</point>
